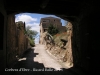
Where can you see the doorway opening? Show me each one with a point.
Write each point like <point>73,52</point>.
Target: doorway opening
<point>58,43</point>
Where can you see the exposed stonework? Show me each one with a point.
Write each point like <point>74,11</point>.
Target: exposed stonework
<point>63,54</point>
<point>69,57</point>
<point>46,22</point>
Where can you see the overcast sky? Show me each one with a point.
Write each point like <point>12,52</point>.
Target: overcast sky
<point>32,19</point>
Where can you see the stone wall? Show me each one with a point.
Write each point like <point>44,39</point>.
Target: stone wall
<point>17,41</point>
<point>63,52</point>
<point>41,33</point>
<point>85,40</point>
<point>45,23</point>
<point>69,57</point>
<point>11,39</point>
<point>51,20</point>
<point>13,44</point>
<point>80,39</point>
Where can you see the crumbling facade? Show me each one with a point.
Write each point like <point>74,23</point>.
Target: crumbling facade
<point>63,52</point>
<point>46,22</point>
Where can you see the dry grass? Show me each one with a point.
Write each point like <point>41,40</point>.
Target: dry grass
<point>58,37</point>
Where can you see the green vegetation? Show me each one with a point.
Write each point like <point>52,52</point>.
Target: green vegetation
<point>31,34</point>
<point>20,25</point>
<point>57,35</point>
<point>52,30</point>
<point>32,43</point>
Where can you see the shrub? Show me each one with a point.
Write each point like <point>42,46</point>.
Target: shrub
<point>52,30</point>
<point>31,42</point>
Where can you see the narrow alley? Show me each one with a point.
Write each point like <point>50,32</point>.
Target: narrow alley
<point>37,61</point>
<point>77,45</point>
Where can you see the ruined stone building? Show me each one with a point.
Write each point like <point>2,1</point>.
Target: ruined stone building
<point>46,22</point>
